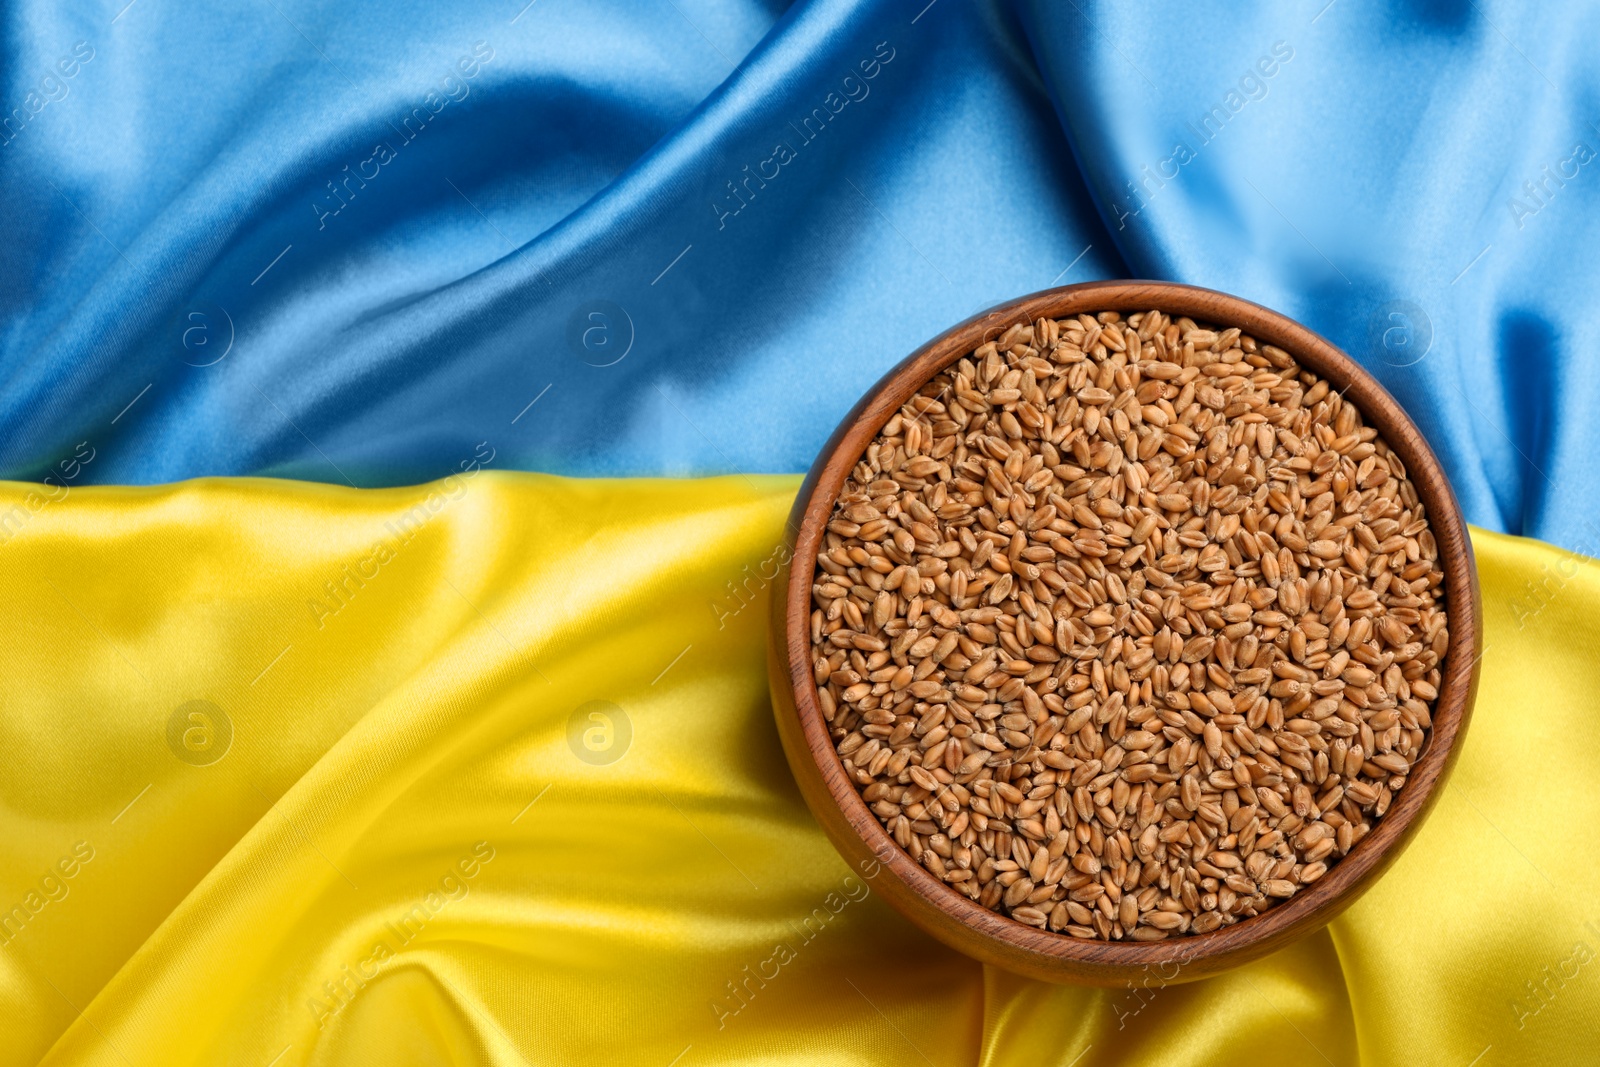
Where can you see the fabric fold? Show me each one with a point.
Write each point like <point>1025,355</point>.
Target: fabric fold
<point>684,238</point>
<point>601,249</point>
<point>483,771</point>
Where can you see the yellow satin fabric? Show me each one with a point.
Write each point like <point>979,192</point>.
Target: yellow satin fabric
<point>404,772</point>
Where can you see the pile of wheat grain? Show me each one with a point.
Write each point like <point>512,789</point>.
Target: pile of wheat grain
<point>1128,628</point>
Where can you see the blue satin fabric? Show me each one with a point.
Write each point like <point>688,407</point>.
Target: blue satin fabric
<point>351,243</point>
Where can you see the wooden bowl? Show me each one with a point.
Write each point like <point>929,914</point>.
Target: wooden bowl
<point>989,936</point>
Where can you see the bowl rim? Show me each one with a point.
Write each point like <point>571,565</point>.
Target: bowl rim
<point>1060,956</point>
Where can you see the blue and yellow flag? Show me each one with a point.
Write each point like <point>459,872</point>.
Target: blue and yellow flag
<point>402,406</point>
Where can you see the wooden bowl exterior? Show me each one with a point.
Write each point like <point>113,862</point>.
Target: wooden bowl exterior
<point>986,935</point>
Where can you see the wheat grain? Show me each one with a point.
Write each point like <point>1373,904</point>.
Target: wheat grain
<point>1128,628</point>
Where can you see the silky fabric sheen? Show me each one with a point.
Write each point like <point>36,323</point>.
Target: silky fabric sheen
<point>410,763</point>
<point>209,274</point>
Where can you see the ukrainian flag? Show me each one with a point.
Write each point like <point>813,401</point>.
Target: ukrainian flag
<point>401,409</point>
